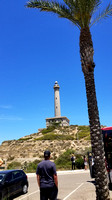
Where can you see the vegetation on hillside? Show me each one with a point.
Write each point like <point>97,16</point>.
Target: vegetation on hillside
<point>24,138</point>
<point>65,133</point>
<point>83,132</point>
<point>49,133</point>
<point>63,162</point>
<point>14,165</point>
<point>53,136</point>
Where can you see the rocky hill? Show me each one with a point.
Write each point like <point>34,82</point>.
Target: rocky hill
<point>56,139</point>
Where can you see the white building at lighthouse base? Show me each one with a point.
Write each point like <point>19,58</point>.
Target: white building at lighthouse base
<point>62,121</point>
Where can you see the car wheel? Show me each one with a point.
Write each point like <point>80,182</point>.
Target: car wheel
<point>25,189</point>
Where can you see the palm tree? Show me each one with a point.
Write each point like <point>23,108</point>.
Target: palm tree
<point>82,13</point>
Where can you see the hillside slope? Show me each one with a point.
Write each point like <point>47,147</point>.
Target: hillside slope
<point>56,139</point>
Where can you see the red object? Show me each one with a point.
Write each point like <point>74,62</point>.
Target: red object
<point>106,128</point>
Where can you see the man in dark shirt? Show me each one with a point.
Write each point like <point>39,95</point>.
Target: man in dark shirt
<point>47,178</point>
<point>73,161</point>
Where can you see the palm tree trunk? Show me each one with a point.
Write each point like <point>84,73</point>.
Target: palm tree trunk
<point>86,52</point>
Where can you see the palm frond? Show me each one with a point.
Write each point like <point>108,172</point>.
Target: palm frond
<point>52,6</point>
<point>79,12</point>
<point>104,14</point>
<point>82,10</point>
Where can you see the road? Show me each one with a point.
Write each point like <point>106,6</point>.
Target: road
<point>73,185</point>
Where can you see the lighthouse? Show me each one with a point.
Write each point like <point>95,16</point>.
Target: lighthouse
<point>57,110</point>
<point>57,119</point>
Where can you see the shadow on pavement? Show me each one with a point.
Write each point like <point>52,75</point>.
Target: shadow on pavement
<point>93,182</point>
<point>16,196</point>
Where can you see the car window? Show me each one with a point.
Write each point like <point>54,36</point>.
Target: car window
<point>8,177</point>
<point>1,177</point>
<point>17,174</point>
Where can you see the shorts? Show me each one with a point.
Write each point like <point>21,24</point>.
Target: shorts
<point>85,163</point>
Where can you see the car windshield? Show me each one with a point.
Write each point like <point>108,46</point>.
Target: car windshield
<point>1,177</point>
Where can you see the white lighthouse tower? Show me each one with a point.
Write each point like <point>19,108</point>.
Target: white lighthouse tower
<point>56,100</point>
<point>62,121</point>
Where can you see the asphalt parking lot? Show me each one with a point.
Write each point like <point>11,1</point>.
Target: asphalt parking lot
<point>73,185</point>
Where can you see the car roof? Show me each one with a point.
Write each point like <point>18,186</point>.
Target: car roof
<point>8,171</point>
<point>107,129</point>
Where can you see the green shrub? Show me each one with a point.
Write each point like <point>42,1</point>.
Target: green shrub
<point>47,130</point>
<point>51,128</point>
<point>52,136</point>
<point>64,160</point>
<point>83,131</point>
<point>83,134</point>
<point>73,126</point>
<point>88,137</point>
<point>14,165</point>
<point>31,166</point>
<point>83,128</point>
<point>27,166</point>
<point>26,138</point>
<point>79,163</point>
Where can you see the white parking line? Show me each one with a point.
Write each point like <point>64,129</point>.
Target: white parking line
<point>29,194</point>
<point>73,191</point>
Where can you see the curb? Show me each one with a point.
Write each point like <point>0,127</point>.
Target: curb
<point>63,172</point>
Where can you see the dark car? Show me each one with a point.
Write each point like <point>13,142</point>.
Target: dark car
<point>12,182</point>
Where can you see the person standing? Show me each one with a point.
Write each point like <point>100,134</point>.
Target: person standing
<point>73,161</point>
<point>47,178</point>
<point>85,163</point>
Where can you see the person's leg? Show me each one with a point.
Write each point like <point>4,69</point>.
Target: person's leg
<point>85,167</point>
<point>43,194</point>
<point>53,192</point>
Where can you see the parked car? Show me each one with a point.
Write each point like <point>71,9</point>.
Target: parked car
<point>12,182</point>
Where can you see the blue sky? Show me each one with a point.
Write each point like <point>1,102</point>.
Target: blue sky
<point>37,49</point>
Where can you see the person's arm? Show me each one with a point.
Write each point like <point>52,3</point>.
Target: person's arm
<point>38,180</point>
<point>56,180</point>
